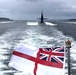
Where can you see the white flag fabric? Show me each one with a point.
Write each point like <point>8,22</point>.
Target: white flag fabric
<point>27,64</point>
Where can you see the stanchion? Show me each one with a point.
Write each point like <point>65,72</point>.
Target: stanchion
<point>68,46</point>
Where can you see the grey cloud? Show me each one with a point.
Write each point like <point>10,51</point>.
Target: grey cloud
<point>26,9</point>
<point>33,0</point>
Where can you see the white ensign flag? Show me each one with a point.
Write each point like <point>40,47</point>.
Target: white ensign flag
<point>26,59</point>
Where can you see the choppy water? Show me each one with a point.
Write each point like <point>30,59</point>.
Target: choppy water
<point>11,33</point>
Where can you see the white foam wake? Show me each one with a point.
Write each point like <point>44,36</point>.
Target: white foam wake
<point>32,23</point>
<point>36,23</point>
<point>49,23</point>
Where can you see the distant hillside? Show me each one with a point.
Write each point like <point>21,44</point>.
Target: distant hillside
<point>4,19</point>
<point>66,20</point>
<point>72,19</point>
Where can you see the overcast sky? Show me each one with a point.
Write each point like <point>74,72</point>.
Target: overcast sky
<point>31,9</point>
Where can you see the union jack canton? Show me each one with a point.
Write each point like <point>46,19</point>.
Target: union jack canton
<point>53,57</point>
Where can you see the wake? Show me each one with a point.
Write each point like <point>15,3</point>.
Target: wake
<point>36,23</point>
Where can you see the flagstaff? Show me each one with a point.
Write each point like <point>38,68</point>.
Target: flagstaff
<point>68,46</point>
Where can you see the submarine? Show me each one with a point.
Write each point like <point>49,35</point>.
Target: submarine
<point>41,19</point>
